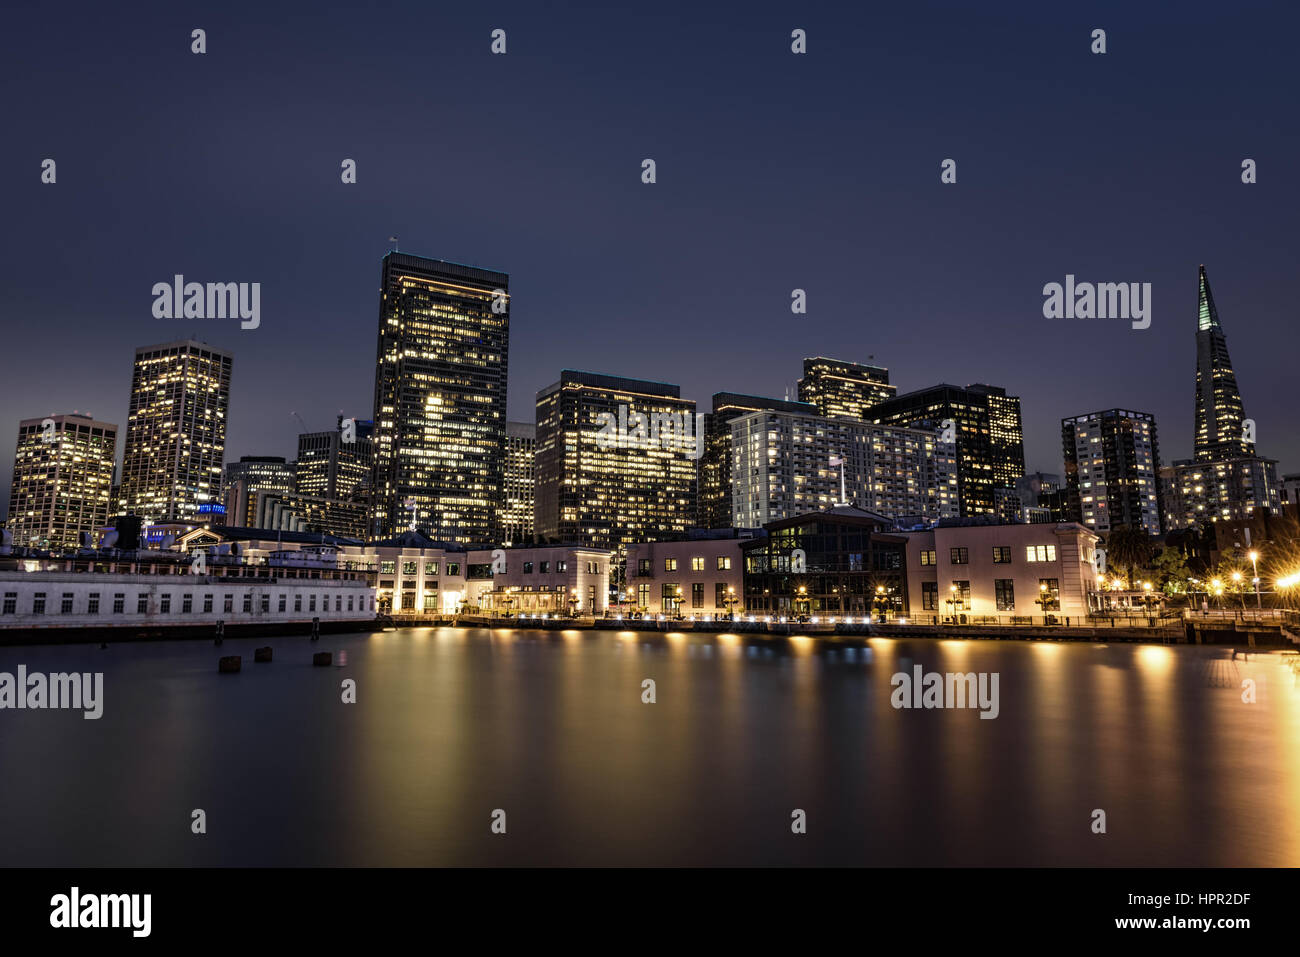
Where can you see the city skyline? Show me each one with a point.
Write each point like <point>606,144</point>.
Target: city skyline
<point>1207,318</point>
<point>896,265</point>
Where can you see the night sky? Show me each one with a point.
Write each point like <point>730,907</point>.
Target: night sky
<point>775,172</point>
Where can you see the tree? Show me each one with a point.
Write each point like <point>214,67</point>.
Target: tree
<point>1171,571</point>
<point>1130,549</point>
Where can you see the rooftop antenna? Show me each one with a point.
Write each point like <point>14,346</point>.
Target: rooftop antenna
<point>393,240</point>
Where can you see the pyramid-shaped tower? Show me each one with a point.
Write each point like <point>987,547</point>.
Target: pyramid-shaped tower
<point>1220,416</point>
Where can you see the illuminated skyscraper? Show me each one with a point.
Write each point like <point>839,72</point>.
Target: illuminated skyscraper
<point>1112,464</point>
<point>176,430</point>
<point>440,398</point>
<point>333,464</point>
<point>986,424</point>
<point>844,389</point>
<point>715,466</point>
<point>607,477</point>
<point>1220,418</point>
<point>63,476</point>
<point>790,463</point>
<point>521,483</point>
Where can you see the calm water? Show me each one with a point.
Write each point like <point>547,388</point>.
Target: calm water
<point>450,725</point>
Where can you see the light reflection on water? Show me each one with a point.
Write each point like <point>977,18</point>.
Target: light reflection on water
<point>550,726</point>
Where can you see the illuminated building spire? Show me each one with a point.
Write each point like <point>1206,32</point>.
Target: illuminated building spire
<point>1220,417</point>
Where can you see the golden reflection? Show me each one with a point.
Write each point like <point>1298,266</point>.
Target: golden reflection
<point>1155,659</point>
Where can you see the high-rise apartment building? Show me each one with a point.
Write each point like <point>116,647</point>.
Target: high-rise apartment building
<point>844,389</point>
<point>985,423</point>
<point>1227,490</point>
<point>517,520</point>
<point>176,430</point>
<point>1220,415</point>
<point>1112,464</point>
<point>62,481</point>
<point>714,482</point>
<point>786,464</point>
<point>246,479</point>
<point>440,398</point>
<point>616,460</point>
<point>335,463</point>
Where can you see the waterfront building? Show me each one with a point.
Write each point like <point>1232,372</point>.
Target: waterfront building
<point>549,580</point>
<point>1112,463</point>
<point>967,572</point>
<point>152,590</point>
<point>714,479</point>
<point>839,562</point>
<point>700,576</point>
<point>786,464</point>
<point>985,423</point>
<point>616,460</point>
<point>841,389</point>
<point>517,518</point>
<point>416,575</point>
<point>335,463</point>
<point>252,475</point>
<point>176,430</point>
<point>440,398</point>
<point>62,480</point>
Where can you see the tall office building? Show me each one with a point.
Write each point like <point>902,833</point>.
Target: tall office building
<point>440,398</point>
<point>244,480</point>
<point>844,389</point>
<point>1225,480</point>
<point>176,430</point>
<point>1220,417</point>
<point>521,483</point>
<point>62,481</point>
<point>714,480</point>
<point>986,424</point>
<point>335,463</point>
<point>616,460</point>
<point>1112,464</point>
<point>787,464</point>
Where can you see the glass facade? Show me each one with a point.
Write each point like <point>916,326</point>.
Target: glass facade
<point>62,480</point>
<point>440,398</point>
<point>850,566</point>
<point>176,430</point>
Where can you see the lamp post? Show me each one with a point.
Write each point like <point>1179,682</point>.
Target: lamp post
<point>1236,580</point>
<point>1254,564</point>
<point>1146,598</point>
<point>802,600</point>
<point>952,603</point>
<point>573,601</point>
<point>1043,600</point>
<point>730,601</point>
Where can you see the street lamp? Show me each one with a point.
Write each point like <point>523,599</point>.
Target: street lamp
<point>802,598</point>
<point>1254,564</point>
<point>730,601</point>
<point>952,603</point>
<point>573,601</point>
<point>1043,599</point>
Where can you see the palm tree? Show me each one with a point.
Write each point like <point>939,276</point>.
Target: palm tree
<point>1130,549</point>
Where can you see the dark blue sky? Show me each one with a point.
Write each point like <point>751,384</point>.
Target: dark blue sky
<point>775,171</point>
